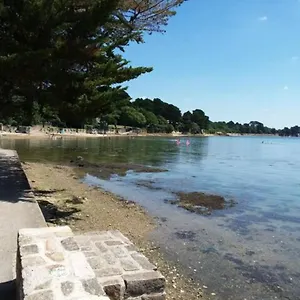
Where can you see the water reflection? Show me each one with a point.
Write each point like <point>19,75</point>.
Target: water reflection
<point>148,151</point>
<point>245,252</point>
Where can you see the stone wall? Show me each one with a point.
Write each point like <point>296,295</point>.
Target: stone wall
<point>53,264</point>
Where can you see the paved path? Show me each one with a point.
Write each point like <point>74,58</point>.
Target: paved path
<point>18,209</point>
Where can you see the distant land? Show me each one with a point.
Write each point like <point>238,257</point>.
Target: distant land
<point>153,115</point>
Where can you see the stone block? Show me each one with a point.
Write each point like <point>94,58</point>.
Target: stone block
<point>29,249</point>
<point>97,262</point>
<point>131,248</point>
<point>100,246</point>
<point>25,240</point>
<point>93,287</point>
<point>110,258</point>
<point>119,252</point>
<point>128,264</point>
<point>34,278</point>
<point>161,296</point>
<point>33,261</point>
<point>114,287</point>
<point>86,248</point>
<point>70,244</point>
<point>89,297</point>
<point>64,231</point>
<point>117,234</point>
<point>143,261</point>
<point>67,288</point>
<point>113,243</point>
<point>101,236</point>
<point>81,267</point>
<point>45,230</point>
<point>147,283</point>
<point>44,295</point>
<point>90,254</point>
<point>82,240</point>
<point>56,256</point>
<point>58,271</point>
<point>108,271</point>
<point>52,245</point>
<point>53,263</point>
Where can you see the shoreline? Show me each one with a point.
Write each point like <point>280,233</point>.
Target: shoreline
<point>43,135</point>
<point>65,200</point>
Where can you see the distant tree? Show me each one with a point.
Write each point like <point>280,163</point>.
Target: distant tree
<point>187,117</point>
<point>162,120</point>
<point>295,131</point>
<point>172,113</point>
<point>131,117</point>
<point>150,117</point>
<point>146,104</point>
<point>199,117</point>
<point>169,128</point>
<point>195,128</point>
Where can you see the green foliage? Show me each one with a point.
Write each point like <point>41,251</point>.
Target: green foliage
<point>169,128</point>
<point>194,122</point>
<point>253,127</point>
<point>151,118</point>
<point>131,117</point>
<point>167,111</point>
<point>199,118</point>
<point>195,128</point>
<point>293,131</point>
<point>66,54</point>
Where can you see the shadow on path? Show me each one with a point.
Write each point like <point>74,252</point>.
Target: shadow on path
<point>8,290</point>
<point>14,185</point>
<point>18,209</point>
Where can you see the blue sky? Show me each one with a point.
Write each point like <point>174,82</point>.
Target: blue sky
<point>235,59</point>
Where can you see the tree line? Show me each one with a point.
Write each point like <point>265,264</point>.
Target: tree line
<point>157,116</point>
<point>61,62</point>
<point>253,127</point>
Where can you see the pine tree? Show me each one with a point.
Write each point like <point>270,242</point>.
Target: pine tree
<point>65,55</point>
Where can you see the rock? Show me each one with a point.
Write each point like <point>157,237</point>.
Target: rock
<point>144,283</point>
<point>70,244</point>
<point>67,288</point>
<point>45,295</point>
<point>92,287</point>
<point>29,249</point>
<point>56,256</point>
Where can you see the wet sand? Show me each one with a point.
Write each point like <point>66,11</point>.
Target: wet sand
<point>65,200</point>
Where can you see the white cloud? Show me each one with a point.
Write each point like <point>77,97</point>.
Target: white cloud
<point>263,19</point>
<point>285,87</point>
<point>295,58</point>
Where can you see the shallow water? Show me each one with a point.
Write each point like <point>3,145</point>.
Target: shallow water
<point>249,251</point>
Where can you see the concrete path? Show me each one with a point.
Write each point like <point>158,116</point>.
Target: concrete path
<point>18,209</point>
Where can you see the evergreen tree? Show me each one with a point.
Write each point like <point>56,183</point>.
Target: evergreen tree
<point>64,55</point>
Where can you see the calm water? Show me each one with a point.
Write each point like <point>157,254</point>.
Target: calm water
<point>250,251</point>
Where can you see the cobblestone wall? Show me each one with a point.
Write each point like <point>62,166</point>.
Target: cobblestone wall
<point>54,264</point>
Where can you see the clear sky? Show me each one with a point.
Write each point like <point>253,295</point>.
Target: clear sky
<point>235,59</point>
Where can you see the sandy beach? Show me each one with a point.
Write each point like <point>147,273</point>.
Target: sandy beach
<point>64,200</point>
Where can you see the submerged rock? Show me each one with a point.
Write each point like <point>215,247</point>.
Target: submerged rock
<point>201,203</point>
<point>106,169</point>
